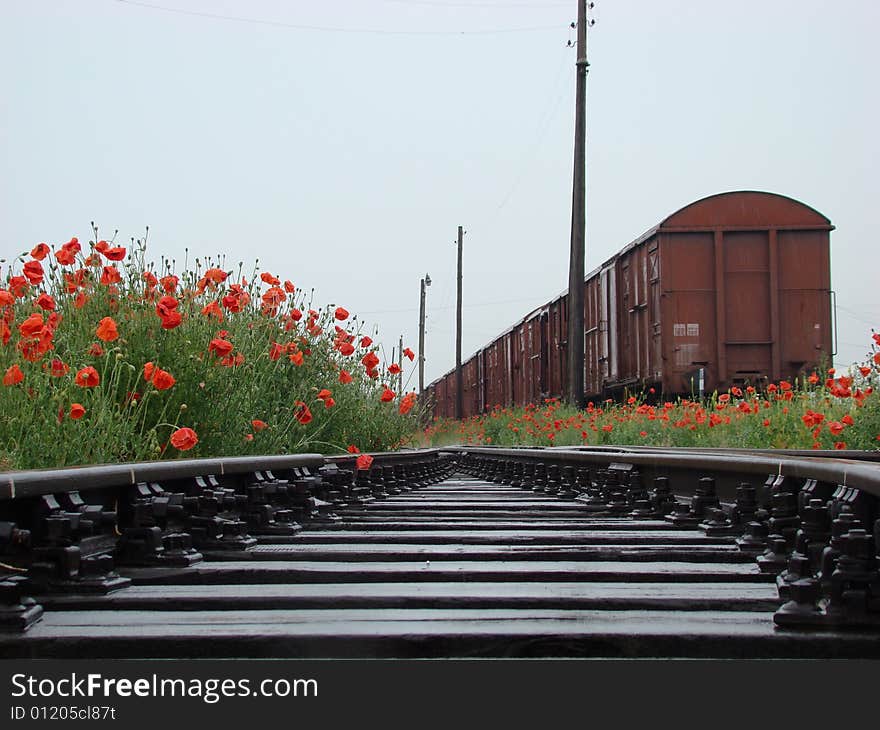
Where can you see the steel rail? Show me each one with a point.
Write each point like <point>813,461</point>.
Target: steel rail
<point>846,472</point>
<point>38,482</point>
<point>836,467</point>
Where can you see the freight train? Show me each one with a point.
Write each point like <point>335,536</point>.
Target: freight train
<point>733,289</point>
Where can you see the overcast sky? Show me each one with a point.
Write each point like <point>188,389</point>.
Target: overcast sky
<point>342,142</point>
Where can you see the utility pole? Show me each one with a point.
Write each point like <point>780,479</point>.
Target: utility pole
<point>400,365</point>
<point>575,344</point>
<point>425,283</point>
<point>459,384</point>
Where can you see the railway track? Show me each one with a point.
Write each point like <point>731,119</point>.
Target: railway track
<point>459,553</point>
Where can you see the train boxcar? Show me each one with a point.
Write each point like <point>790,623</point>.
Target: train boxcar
<point>734,288</point>
<point>731,289</point>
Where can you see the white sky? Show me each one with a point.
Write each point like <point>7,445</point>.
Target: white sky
<point>345,154</point>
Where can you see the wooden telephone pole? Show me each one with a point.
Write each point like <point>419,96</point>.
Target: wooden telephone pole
<point>575,344</point>
<point>426,282</point>
<point>459,384</point>
<point>400,367</point>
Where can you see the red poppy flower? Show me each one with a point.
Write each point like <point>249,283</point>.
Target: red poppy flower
<point>394,368</point>
<point>273,297</point>
<point>107,330</point>
<point>220,347</point>
<point>302,413</point>
<point>364,461</point>
<point>87,377</point>
<point>840,445</point>
<point>269,279</point>
<point>6,298</point>
<point>32,326</point>
<point>259,425</point>
<point>276,351</point>
<point>296,315</point>
<point>149,369</point>
<point>289,287</point>
<point>45,302</point>
<point>232,303</point>
<point>110,275</point>
<point>370,360</point>
<point>184,439</point>
<point>323,393</point>
<point>345,348</point>
<point>166,304</point>
<point>169,283</point>
<point>96,350</point>
<point>345,377</point>
<point>353,449</point>
<point>836,428</point>
<point>77,411</point>
<point>296,358</point>
<point>341,314</point>
<point>58,368</point>
<point>218,276</point>
<point>40,251</point>
<point>18,285</point>
<point>213,310</point>
<point>117,253</point>
<point>13,375</point>
<point>387,395</point>
<point>407,403</point>
<point>409,353</point>
<point>33,271</point>
<point>329,403</point>
<point>171,320</point>
<point>366,341</point>
<point>65,257</point>
<point>162,379</point>
<point>231,361</point>
<point>864,371</point>
<point>102,246</point>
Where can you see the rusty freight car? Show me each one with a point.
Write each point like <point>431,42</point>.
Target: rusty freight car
<point>734,288</point>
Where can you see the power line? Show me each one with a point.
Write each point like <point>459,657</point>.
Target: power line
<point>333,29</point>
<point>469,306</point>
<point>852,314</point>
<point>540,131</point>
<point>440,4</point>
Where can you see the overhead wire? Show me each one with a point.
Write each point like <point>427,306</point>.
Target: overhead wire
<point>480,4</point>
<point>541,129</point>
<point>852,314</point>
<point>443,307</point>
<point>331,29</point>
